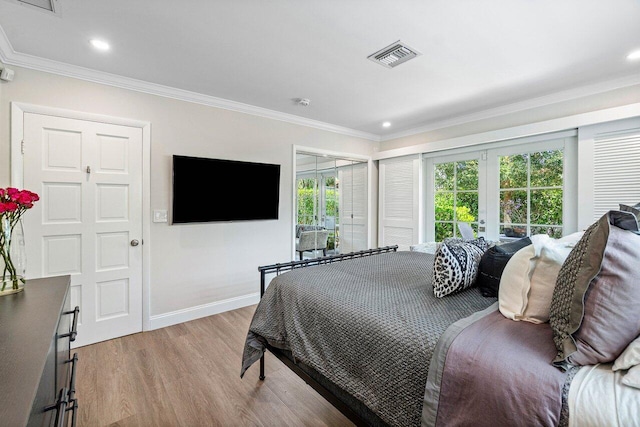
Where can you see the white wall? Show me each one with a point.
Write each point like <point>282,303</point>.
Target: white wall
<point>198,264</point>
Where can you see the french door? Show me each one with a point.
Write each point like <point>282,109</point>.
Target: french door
<point>508,190</point>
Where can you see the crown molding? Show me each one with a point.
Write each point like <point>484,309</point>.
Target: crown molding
<point>541,101</point>
<point>10,57</point>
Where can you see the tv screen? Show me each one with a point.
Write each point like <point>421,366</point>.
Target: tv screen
<point>206,190</point>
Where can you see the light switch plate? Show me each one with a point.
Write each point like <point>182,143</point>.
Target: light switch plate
<point>160,215</point>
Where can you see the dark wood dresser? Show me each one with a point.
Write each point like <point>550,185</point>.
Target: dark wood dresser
<point>37,371</point>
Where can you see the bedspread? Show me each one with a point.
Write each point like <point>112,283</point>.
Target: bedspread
<point>370,325</point>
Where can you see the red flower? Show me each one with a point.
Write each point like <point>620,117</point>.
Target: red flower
<point>14,202</point>
<point>11,192</point>
<point>26,198</point>
<point>8,207</point>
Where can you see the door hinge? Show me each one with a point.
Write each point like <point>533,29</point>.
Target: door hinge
<point>22,146</point>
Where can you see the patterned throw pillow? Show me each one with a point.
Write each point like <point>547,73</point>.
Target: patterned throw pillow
<point>456,265</point>
<point>594,310</point>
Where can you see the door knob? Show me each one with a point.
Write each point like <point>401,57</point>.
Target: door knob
<point>135,242</point>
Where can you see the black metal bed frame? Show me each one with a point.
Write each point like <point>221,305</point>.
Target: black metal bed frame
<point>280,268</point>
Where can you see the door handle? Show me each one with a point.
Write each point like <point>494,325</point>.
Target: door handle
<point>135,242</point>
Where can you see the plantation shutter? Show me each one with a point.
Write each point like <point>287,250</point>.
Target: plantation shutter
<point>353,207</point>
<point>399,210</point>
<point>609,167</point>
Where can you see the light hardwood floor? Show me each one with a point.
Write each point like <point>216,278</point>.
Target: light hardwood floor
<point>189,375</point>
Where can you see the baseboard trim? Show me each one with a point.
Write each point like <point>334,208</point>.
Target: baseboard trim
<point>193,313</point>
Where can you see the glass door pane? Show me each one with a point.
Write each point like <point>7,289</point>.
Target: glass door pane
<point>330,212</point>
<point>531,193</point>
<point>456,197</point>
<point>308,202</point>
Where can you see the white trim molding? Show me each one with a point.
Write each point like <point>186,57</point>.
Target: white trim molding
<point>204,310</point>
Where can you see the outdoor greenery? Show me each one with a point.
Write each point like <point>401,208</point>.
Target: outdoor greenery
<point>309,200</point>
<point>456,185</point>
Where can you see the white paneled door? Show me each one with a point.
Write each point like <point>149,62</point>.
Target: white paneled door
<point>88,223</point>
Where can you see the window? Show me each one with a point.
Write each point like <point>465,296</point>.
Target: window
<point>455,197</point>
<point>531,193</point>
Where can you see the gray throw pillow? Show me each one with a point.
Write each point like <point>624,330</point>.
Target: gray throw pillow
<point>594,310</point>
<point>492,264</point>
<point>455,265</point>
<point>635,210</point>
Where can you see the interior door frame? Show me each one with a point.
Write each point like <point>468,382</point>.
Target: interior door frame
<point>19,109</point>
<point>340,155</point>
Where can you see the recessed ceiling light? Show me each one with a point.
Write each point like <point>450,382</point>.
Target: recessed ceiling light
<point>634,56</point>
<point>386,124</point>
<point>99,44</point>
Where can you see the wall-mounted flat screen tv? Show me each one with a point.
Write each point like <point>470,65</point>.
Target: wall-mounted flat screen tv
<point>206,190</point>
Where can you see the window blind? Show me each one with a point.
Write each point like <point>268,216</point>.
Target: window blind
<point>616,170</point>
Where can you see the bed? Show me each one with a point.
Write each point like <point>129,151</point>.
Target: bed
<point>367,332</point>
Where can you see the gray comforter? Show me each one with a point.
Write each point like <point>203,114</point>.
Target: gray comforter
<point>369,325</point>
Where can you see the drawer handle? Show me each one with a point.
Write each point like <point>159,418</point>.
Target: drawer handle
<point>60,407</point>
<point>74,411</point>
<point>74,329</point>
<point>72,389</point>
<point>72,382</point>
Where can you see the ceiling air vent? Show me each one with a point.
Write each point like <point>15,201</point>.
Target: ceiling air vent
<point>394,54</point>
<point>42,5</point>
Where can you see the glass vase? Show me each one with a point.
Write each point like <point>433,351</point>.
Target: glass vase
<point>13,258</point>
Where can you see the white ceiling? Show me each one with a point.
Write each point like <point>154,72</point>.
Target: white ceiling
<point>477,56</point>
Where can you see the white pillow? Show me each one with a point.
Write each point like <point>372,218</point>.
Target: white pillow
<point>515,282</point>
<point>632,377</point>
<point>529,278</point>
<point>572,238</point>
<point>543,279</point>
<point>630,357</point>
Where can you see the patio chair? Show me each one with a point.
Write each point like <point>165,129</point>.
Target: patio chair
<point>466,231</point>
<point>313,240</point>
